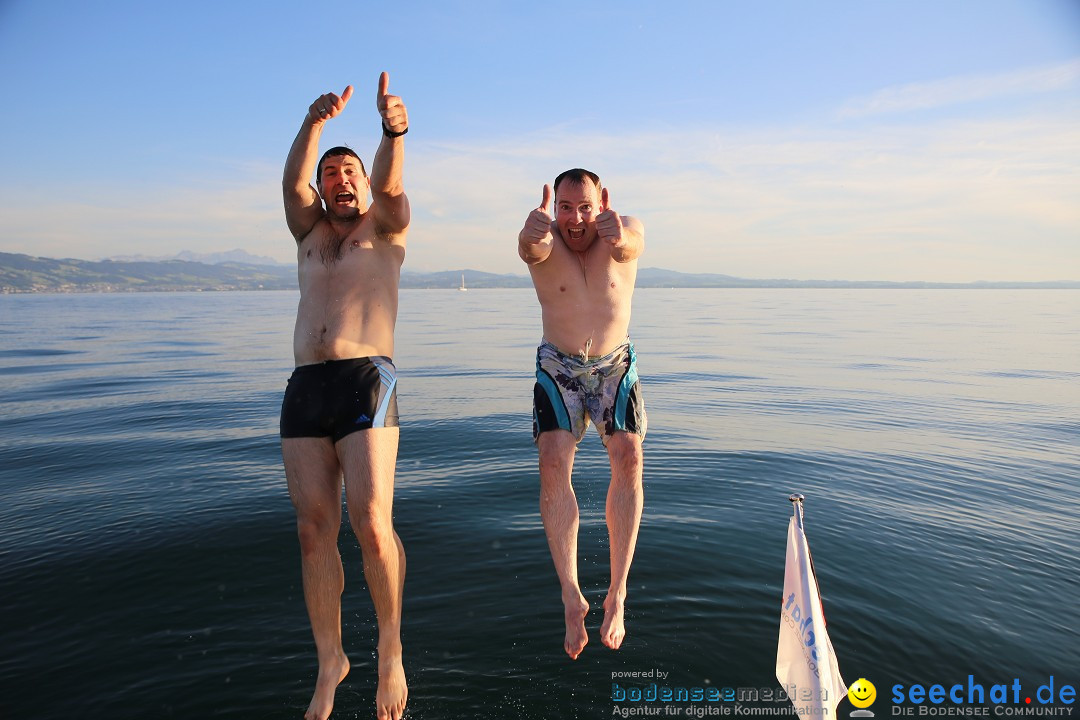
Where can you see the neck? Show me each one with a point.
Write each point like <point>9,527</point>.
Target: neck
<point>343,225</point>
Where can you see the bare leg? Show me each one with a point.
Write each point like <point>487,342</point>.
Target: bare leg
<point>314,478</point>
<point>559,511</point>
<point>624,502</point>
<point>369,458</point>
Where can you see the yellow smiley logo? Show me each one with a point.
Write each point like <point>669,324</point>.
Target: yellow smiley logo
<point>862,693</point>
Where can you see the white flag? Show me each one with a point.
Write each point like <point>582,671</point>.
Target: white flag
<point>805,662</point>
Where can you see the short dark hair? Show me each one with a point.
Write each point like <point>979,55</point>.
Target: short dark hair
<point>577,176</point>
<point>338,151</point>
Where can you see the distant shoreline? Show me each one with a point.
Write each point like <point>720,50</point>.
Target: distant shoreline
<point>808,286</point>
<point>24,274</point>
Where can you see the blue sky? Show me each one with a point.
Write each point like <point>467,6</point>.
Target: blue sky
<point>817,140</point>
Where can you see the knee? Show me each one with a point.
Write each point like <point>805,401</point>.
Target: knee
<point>624,450</point>
<point>555,480</point>
<point>554,468</point>
<point>316,532</point>
<point>556,449</point>
<point>374,531</point>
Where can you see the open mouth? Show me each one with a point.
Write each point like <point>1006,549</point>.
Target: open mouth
<point>344,198</point>
<point>576,233</point>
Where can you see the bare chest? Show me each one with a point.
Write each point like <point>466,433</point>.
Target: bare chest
<point>332,262</point>
<point>593,274</point>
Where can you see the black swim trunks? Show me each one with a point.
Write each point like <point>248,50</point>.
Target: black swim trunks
<point>338,397</point>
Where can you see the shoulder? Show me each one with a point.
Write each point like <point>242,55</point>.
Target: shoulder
<point>303,220</point>
<point>633,223</point>
<point>318,229</point>
<point>391,214</point>
<point>373,232</point>
<point>557,262</point>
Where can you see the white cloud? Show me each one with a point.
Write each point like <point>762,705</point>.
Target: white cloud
<point>238,208</point>
<point>962,89</point>
<point>956,200</point>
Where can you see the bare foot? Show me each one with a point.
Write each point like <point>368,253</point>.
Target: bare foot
<point>331,673</point>
<point>393,691</point>
<point>612,631</point>
<point>575,609</point>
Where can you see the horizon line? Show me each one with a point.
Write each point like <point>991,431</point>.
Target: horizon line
<point>525,276</point>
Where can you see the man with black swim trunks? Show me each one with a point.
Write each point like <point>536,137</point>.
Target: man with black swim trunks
<point>583,263</point>
<point>339,416</point>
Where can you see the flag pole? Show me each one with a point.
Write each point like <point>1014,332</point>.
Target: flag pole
<point>805,658</point>
<point>797,507</point>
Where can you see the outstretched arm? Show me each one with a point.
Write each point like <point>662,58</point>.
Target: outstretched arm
<point>389,202</point>
<point>303,208</point>
<point>534,240</point>
<point>625,234</point>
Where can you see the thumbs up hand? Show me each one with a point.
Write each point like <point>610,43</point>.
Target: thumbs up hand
<point>537,228</point>
<point>395,118</point>
<point>609,225</point>
<point>329,105</point>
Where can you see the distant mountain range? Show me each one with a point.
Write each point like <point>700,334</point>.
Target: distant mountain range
<point>23,273</point>
<point>229,256</point>
<point>27,274</point>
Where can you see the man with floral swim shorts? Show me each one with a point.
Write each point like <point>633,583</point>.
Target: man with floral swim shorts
<point>583,263</point>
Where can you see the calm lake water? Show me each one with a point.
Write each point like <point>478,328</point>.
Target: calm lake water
<point>149,566</point>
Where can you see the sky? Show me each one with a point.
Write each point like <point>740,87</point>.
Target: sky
<point>933,140</point>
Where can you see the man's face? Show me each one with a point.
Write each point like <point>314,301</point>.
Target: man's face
<point>576,208</point>
<point>343,186</point>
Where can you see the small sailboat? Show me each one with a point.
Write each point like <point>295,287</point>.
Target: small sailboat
<point>463,288</point>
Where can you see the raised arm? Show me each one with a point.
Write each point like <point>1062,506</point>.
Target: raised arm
<point>303,207</point>
<point>389,202</point>
<point>534,240</point>
<point>625,234</point>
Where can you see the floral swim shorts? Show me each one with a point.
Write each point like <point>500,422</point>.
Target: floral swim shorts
<point>570,391</point>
